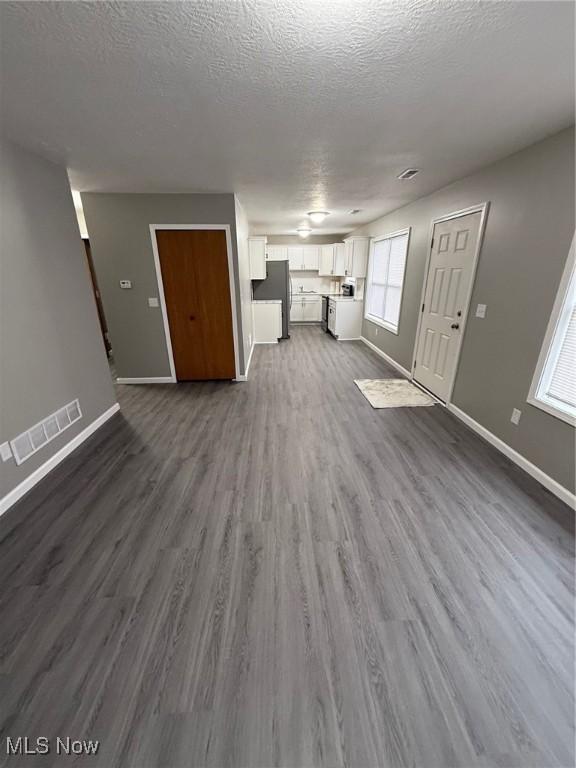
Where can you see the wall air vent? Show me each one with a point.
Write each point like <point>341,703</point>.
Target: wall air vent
<point>409,173</point>
<point>26,444</point>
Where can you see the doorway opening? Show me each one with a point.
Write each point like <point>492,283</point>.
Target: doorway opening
<point>98,299</point>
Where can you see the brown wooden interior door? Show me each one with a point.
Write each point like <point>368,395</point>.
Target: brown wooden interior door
<point>194,266</point>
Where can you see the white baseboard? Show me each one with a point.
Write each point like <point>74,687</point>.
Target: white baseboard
<point>266,342</point>
<point>249,360</point>
<point>37,475</point>
<point>552,485</point>
<point>352,338</point>
<point>147,380</point>
<point>386,357</point>
<point>244,376</point>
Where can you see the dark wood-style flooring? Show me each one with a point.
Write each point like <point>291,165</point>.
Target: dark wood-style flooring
<point>273,573</point>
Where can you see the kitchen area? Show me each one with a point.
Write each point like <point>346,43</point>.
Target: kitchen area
<point>297,284</point>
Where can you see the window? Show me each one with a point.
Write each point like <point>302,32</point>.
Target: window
<point>554,386</point>
<point>386,279</point>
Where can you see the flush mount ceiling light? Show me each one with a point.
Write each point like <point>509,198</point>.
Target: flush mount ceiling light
<point>409,173</point>
<point>318,216</point>
<point>304,231</point>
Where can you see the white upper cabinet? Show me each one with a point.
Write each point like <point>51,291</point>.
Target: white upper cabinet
<point>296,256</point>
<point>332,260</point>
<point>311,256</point>
<point>277,252</point>
<point>356,256</point>
<point>326,265</point>
<point>304,257</point>
<point>257,257</point>
<point>339,259</point>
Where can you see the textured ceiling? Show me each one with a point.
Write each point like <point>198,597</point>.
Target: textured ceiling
<point>291,105</point>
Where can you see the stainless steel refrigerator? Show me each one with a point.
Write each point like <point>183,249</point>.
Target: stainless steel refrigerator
<point>277,285</point>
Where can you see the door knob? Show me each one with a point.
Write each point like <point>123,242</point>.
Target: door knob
<point>455,326</point>
<point>192,317</point>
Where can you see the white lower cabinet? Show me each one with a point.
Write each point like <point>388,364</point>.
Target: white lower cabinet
<point>332,318</point>
<point>313,310</point>
<point>297,311</point>
<point>345,318</point>
<point>306,309</point>
<point>267,317</point>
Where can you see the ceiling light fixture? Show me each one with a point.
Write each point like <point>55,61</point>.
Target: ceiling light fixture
<point>318,216</point>
<point>354,211</point>
<point>304,231</point>
<point>409,173</point>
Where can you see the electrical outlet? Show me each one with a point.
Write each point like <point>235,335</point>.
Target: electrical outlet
<point>153,302</point>
<point>126,284</point>
<point>515,418</point>
<point>375,331</point>
<point>481,311</point>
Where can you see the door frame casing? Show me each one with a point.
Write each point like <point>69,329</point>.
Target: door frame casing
<point>483,209</point>
<point>232,284</point>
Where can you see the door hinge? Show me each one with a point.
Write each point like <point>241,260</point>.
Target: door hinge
<point>432,246</point>
<point>422,310</point>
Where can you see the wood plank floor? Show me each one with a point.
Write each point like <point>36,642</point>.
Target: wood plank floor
<point>275,574</point>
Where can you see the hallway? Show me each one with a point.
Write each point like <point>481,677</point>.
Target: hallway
<point>272,573</point>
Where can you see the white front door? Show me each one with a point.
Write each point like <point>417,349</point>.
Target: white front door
<point>450,273</point>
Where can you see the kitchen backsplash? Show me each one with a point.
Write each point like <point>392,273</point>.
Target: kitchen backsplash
<point>309,281</point>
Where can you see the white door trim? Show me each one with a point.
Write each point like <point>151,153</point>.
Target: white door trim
<point>481,208</point>
<point>232,280</point>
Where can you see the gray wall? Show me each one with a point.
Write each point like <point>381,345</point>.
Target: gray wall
<point>528,234</point>
<point>118,228</point>
<point>51,350</point>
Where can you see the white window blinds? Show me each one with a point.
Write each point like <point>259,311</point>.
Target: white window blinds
<point>386,278</point>
<point>556,388</point>
<point>560,376</point>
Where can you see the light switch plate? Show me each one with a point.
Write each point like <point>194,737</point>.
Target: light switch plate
<point>153,302</point>
<point>515,418</point>
<point>481,310</point>
<point>5,451</point>
<point>125,284</point>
